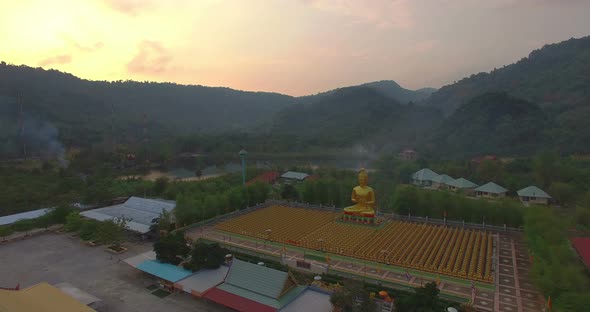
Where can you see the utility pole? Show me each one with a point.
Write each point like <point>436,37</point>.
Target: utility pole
<point>145,139</point>
<point>113,137</point>
<point>243,154</point>
<point>21,121</point>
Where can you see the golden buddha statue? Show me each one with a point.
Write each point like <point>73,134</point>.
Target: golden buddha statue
<point>363,196</point>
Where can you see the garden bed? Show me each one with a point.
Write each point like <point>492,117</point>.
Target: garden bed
<point>116,249</point>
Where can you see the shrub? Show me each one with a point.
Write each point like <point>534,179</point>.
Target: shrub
<point>88,229</point>
<point>73,222</point>
<point>111,232</point>
<point>6,230</point>
<point>24,225</point>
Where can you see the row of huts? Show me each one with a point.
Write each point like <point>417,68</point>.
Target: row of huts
<point>427,178</point>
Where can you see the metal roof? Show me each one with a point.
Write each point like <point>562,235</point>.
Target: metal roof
<point>491,187</point>
<point>462,183</point>
<point>443,179</point>
<point>77,293</point>
<point>204,280</point>
<point>265,300</point>
<point>131,225</point>
<point>260,279</point>
<point>258,284</point>
<point>294,175</point>
<point>135,261</point>
<point>164,271</point>
<point>237,302</point>
<point>424,175</point>
<point>24,216</point>
<point>141,211</point>
<point>533,191</point>
<point>310,300</point>
<point>40,298</point>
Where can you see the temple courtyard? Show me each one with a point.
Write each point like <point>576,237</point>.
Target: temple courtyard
<point>274,232</point>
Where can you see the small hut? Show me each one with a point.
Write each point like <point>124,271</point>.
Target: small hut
<point>490,190</point>
<point>533,195</point>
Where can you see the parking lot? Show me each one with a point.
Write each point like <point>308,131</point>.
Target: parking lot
<point>56,258</point>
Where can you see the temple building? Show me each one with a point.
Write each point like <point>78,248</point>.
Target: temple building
<point>424,177</point>
<point>490,190</point>
<point>533,195</point>
<point>442,181</point>
<point>462,184</point>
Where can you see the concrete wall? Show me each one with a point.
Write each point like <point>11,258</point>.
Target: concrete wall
<point>489,195</point>
<point>534,201</point>
<point>314,267</point>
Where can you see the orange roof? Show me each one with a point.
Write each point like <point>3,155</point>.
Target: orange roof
<point>40,298</point>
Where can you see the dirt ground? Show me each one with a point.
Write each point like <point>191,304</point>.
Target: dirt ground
<point>56,258</point>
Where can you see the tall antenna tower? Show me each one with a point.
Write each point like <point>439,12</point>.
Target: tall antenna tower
<point>113,137</point>
<point>21,123</point>
<point>145,138</point>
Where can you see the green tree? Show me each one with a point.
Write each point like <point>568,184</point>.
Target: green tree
<point>171,248</point>
<point>289,192</point>
<point>183,211</point>
<point>165,221</point>
<point>160,185</point>
<point>424,299</point>
<point>205,256</point>
<point>490,170</point>
<point>546,168</point>
<point>563,193</point>
<point>582,217</point>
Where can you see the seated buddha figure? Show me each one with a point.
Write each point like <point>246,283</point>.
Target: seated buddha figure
<point>363,196</point>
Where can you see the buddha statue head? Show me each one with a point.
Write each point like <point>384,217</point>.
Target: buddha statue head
<point>363,177</point>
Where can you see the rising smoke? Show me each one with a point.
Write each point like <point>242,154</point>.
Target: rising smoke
<point>42,138</point>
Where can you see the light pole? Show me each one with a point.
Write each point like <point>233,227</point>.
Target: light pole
<point>243,154</point>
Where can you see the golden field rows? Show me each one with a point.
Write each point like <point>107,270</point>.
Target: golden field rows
<point>455,252</point>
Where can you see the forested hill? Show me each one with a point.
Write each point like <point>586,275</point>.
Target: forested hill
<point>493,123</point>
<point>83,110</point>
<point>388,88</point>
<point>354,115</point>
<point>556,77</point>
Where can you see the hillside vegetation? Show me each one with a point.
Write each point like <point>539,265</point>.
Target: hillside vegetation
<point>492,123</point>
<point>541,102</point>
<point>555,76</point>
<point>83,111</point>
<point>354,115</point>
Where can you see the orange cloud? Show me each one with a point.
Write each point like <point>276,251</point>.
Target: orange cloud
<point>128,6</point>
<point>152,58</point>
<point>381,13</point>
<point>56,59</point>
<point>91,48</point>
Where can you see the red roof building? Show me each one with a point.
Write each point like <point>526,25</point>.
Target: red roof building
<point>253,288</point>
<point>269,177</point>
<point>236,302</point>
<point>582,246</point>
<point>408,154</point>
<point>480,159</point>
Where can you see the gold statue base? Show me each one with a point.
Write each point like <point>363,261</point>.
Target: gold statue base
<point>367,214</point>
<point>360,219</point>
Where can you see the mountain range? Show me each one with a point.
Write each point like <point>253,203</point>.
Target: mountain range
<point>539,102</point>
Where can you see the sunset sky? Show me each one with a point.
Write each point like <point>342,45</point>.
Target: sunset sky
<point>295,47</point>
